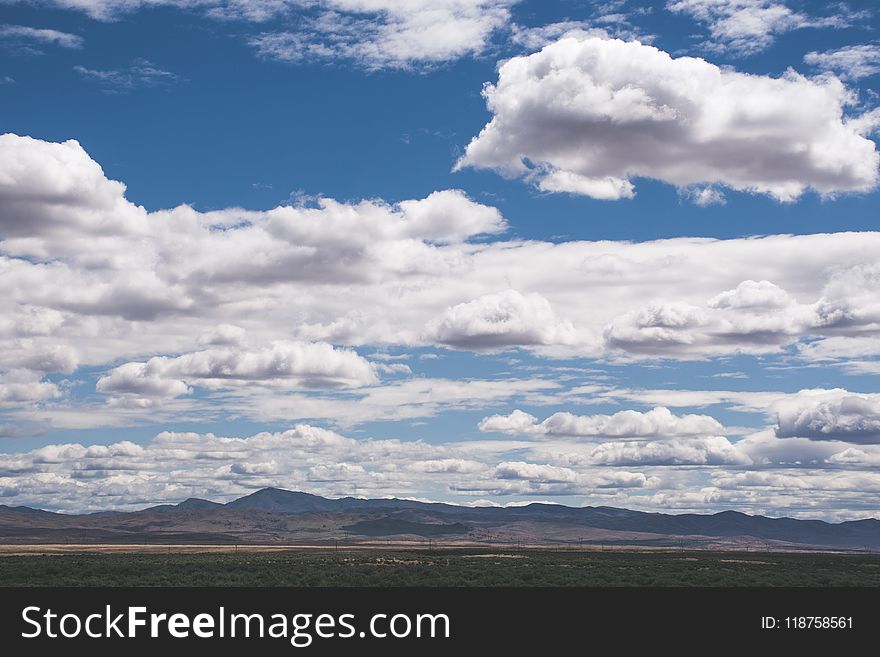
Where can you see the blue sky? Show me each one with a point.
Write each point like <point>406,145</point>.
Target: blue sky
<point>284,258</point>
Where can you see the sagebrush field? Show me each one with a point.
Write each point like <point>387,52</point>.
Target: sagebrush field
<point>441,568</point>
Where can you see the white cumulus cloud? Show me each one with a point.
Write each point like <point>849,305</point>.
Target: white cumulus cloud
<point>658,422</point>
<point>285,364</point>
<point>830,415</point>
<point>496,321</point>
<point>587,115</point>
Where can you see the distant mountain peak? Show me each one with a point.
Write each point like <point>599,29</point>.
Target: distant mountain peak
<point>279,500</point>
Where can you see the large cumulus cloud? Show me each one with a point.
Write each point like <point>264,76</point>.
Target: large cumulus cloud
<point>587,115</point>
<point>830,415</point>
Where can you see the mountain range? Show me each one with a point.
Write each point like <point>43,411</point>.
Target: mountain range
<point>273,516</point>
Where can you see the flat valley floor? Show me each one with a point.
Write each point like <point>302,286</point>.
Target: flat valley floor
<point>158,565</point>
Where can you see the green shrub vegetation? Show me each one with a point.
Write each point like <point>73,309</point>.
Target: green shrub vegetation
<point>443,568</point>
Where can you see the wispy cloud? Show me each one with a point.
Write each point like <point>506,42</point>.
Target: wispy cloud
<point>24,39</point>
<point>389,34</point>
<point>141,73</point>
<point>745,27</point>
<point>850,62</point>
<point>375,34</point>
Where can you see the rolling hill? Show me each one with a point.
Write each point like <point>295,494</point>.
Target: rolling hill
<point>275,516</point>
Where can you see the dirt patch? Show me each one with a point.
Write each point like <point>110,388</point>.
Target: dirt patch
<point>494,556</point>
